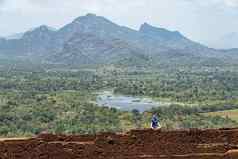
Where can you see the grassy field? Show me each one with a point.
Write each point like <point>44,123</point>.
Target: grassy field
<point>232,114</point>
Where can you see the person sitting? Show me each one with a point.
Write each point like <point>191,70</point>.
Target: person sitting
<point>155,122</point>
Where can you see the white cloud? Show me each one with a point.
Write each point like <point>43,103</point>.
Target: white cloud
<point>214,3</point>
<point>231,3</point>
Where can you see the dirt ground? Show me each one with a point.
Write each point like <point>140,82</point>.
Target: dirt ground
<point>136,144</point>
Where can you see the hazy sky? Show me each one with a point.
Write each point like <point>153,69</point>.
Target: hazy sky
<point>200,20</point>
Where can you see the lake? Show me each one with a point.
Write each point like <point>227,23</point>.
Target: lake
<point>125,103</point>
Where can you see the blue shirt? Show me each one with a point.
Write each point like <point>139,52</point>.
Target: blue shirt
<point>154,121</point>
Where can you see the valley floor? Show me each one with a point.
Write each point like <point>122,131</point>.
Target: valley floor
<point>37,97</point>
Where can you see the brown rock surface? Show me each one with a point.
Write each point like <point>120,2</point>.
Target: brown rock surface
<point>136,144</point>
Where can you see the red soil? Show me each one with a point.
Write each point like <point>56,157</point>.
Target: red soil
<point>136,144</point>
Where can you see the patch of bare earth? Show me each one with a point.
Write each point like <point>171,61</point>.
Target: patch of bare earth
<point>136,144</point>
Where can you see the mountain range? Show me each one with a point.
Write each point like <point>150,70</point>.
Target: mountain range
<point>93,39</point>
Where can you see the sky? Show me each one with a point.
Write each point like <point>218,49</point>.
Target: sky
<point>200,20</point>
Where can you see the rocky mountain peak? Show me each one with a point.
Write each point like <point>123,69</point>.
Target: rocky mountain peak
<point>159,32</point>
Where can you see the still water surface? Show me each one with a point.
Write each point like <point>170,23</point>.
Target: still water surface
<point>123,102</point>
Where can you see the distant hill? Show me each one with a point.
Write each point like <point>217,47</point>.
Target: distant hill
<point>91,49</point>
<point>93,39</point>
<point>35,42</point>
<point>15,36</point>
